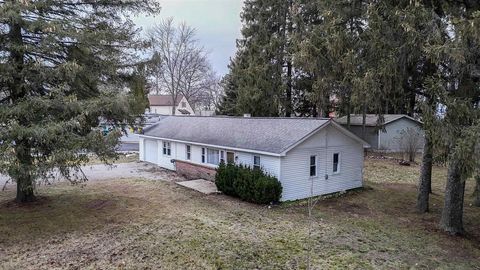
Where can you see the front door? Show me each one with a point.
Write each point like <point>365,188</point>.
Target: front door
<point>230,157</point>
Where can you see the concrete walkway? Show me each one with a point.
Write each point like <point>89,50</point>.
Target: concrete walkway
<point>200,185</point>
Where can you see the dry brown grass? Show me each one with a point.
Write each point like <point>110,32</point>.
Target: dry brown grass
<point>139,224</point>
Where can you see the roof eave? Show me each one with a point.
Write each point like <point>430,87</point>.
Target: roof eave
<point>215,146</point>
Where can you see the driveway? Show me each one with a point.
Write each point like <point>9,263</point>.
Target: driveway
<point>128,147</point>
<point>118,171</point>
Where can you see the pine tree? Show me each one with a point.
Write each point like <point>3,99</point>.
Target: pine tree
<point>457,85</point>
<point>61,66</point>
<point>263,80</point>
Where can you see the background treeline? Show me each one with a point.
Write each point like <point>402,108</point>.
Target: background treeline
<point>416,57</point>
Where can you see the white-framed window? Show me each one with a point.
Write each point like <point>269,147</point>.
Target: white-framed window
<point>184,104</point>
<point>213,156</point>
<point>336,163</point>
<point>222,156</point>
<point>167,149</point>
<point>313,165</point>
<point>256,162</point>
<point>188,152</point>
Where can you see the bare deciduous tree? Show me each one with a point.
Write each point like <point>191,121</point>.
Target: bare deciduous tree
<point>179,63</point>
<point>410,142</point>
<point>212,92</point>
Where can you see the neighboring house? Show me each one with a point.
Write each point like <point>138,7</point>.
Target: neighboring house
<point>163,104</point>
<point>295,150</point>
<point>392,135</point>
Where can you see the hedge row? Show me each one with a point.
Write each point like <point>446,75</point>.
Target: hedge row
<point>252,185</point>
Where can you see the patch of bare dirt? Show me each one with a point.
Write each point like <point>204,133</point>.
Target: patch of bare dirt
<point>14,205</point>
<point>99,204</point>
<point>347,207</point>
<point>400,187</point>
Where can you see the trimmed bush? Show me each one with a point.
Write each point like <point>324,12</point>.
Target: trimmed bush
<point>252,185</point>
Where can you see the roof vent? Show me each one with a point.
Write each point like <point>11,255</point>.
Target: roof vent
<point>247,115</point>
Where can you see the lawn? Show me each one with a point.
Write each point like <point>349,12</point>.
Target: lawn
<point>140,224</point>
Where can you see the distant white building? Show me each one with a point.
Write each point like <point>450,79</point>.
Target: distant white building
<point>205,112</point>
<point>301,152</point>
<point>163,104</point>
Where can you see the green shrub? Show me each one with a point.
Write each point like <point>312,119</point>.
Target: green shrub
<point>252,185</point>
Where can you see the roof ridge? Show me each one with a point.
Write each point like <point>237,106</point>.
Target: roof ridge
<point>253,117</point>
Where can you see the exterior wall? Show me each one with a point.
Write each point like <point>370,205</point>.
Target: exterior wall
<point>390,139</point>
<point>270,164</point>
<point>371,134</point>
<point>141,149</point>
<point>295,166</point>
<point>165,110</point>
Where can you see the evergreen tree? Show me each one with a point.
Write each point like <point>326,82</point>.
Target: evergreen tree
<point>263,80</point>
<point>228,103</point>
<point>60,67</point>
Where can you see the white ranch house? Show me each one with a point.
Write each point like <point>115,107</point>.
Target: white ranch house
<point>295,150</point>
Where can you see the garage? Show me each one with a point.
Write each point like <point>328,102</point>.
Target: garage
<point>151,151</point>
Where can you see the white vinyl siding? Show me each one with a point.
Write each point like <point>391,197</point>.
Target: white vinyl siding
<point>295,168</point>
<point>269,164</point>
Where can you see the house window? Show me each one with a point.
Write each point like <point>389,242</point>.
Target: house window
<point>203,155</point>
<point>167,149</point>
<point>188,153</point>
<point>256,162</point>
<point>222,156</point>
<point>213,156</point>
<point>336,163</point>
<point>313,165</point>
<point>184,104</point>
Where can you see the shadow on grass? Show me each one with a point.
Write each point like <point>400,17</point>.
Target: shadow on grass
<point>59,210</point>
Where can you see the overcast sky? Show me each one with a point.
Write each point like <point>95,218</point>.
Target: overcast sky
<point>217,23</point>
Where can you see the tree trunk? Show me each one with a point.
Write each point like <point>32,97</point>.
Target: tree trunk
<point>476,193</point>
<point>364,121</point>
<point>411,156</point>
<point>452,214</point>
<point>23,177</point>
<point>348,114</point>
<point>425,183</point>
<point>288,37</point>
<point>21,173</point>
<point>288,105</point>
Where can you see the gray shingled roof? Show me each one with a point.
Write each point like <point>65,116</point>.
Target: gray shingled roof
<point>273,135</point>
<point>371,120</point>
<point>163,100</point>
